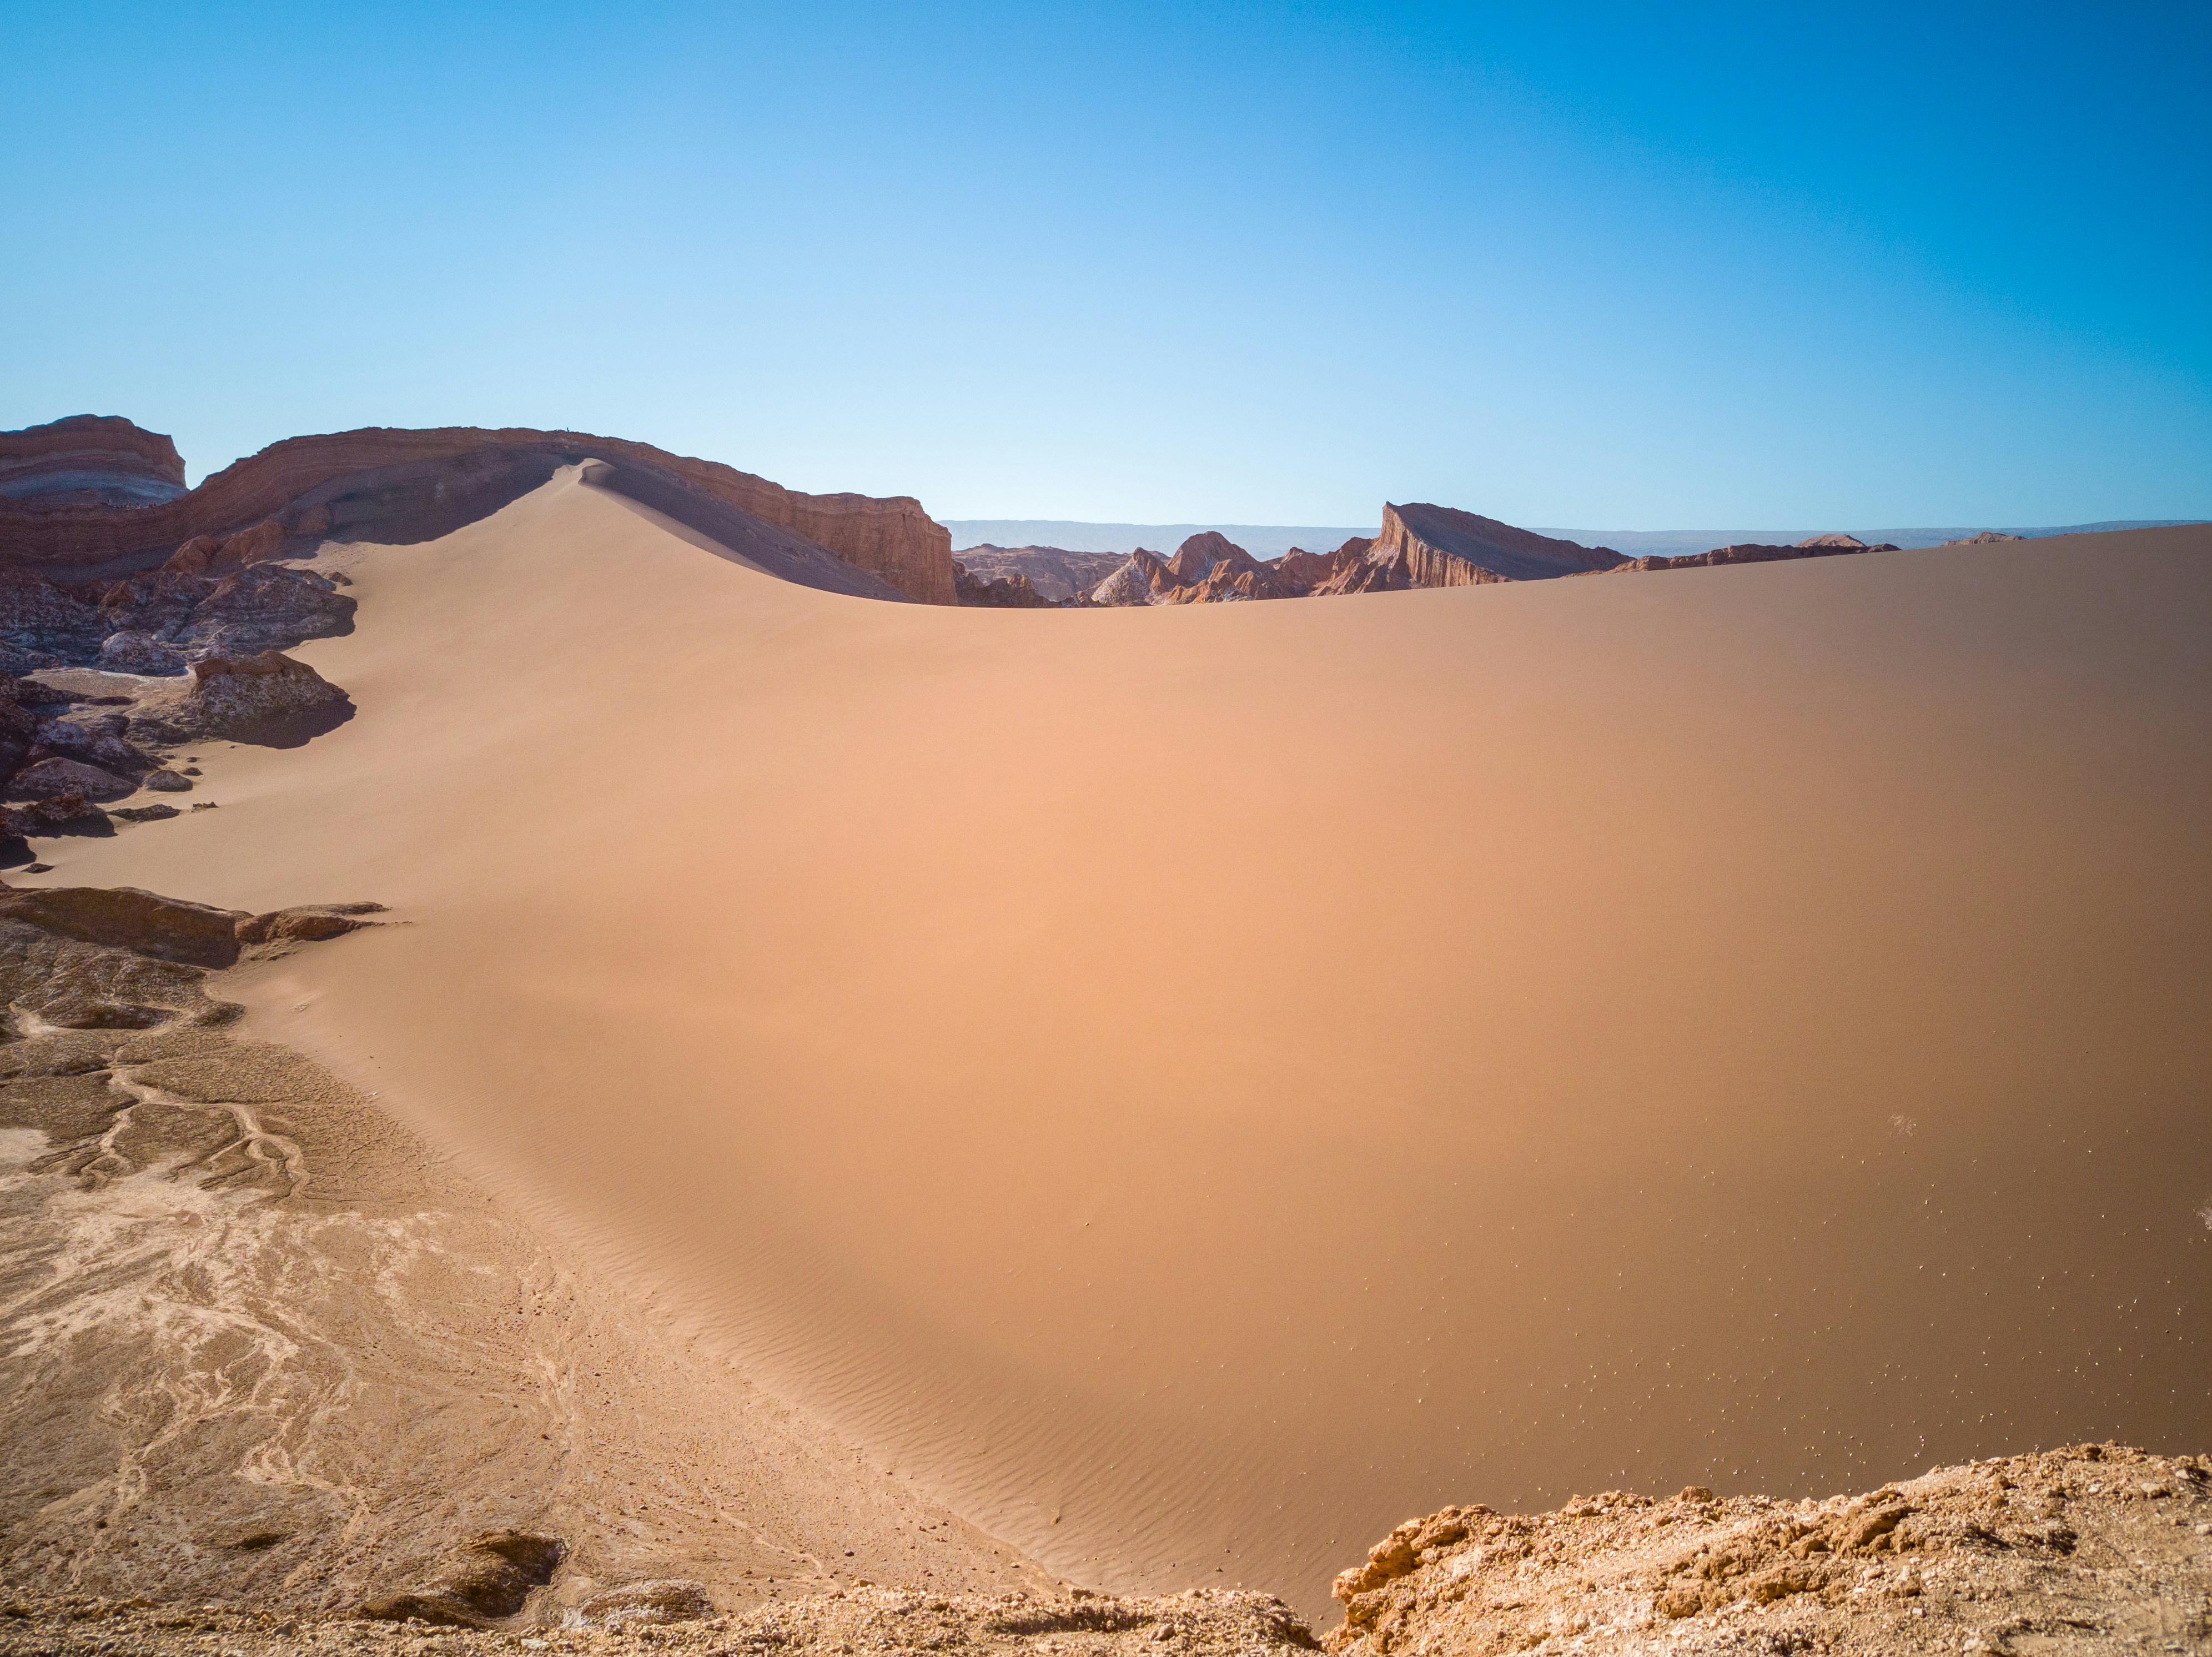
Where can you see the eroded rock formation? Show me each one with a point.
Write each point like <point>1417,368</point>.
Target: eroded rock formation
<point>1206,568</point>
<point>1060,575</point>
<point>249,698</point>
<point>1812,547</point>
<point>387,483</point>
<point>1010,591</point>
<point>89,460</point>
<point>1443,546</point>
<point>159,620</point>
<point>1419,546</point>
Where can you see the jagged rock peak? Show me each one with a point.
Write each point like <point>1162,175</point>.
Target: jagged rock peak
<point>1195,559</point>
<point>89,459</point>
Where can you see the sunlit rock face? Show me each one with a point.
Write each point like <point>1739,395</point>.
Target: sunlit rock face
<point>89,459</point>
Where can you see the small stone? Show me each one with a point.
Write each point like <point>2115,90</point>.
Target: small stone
<point>48,868</point>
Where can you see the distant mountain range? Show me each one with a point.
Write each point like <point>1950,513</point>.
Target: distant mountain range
<point>1273,541</point>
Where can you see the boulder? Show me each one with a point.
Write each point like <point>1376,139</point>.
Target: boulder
<point>44,779</point>
<point>131,652</point>
<point>265,698</point>
<point>60,814</point>
<point>92,737</point>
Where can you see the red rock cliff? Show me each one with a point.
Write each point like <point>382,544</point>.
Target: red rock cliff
<point>893,538</point>
<point>89,459</point>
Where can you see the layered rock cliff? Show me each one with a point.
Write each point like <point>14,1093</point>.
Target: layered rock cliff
<point>389,484</point>
<point>91,460</point>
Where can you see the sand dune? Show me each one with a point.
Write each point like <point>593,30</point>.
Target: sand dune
<point>1188,1087</point>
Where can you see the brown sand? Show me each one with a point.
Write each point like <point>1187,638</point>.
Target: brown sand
<point>1188,1087</point>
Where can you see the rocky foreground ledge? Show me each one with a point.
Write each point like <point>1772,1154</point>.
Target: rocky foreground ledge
<point>2094,1549</point>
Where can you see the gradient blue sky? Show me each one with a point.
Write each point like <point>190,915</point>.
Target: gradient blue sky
<point>1633,267</point>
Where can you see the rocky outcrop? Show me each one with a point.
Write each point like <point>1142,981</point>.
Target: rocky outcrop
<point>59,814</point>
<point>60,763</point>
<point>265,698</point>
<point>1007,592</point>
<point>1420,545</point>
<point>1987,538</point>
<point>394,485</point>
<point>89,460</point>
<point>42,626</point>
<point>1813,546</point>
<point>1315,570</point>
<point>174,614</point>
<point>1442,546</point>
<point>172,929</point>
<point>156,622</point>
<point>1060,575</point>
<point>2010,1554</point>
<point>43,779</point>
<point>1206,568</point>
<point>1141,578</point>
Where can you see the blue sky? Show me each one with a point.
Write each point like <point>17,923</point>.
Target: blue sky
<point>1603,266</point>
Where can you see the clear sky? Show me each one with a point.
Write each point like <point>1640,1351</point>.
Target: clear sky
<point>1589,265</point>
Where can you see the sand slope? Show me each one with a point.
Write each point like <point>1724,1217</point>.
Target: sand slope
<point>1191,1087</point>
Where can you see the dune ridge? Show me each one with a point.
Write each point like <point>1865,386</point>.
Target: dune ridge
<point>1465,1045</point>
